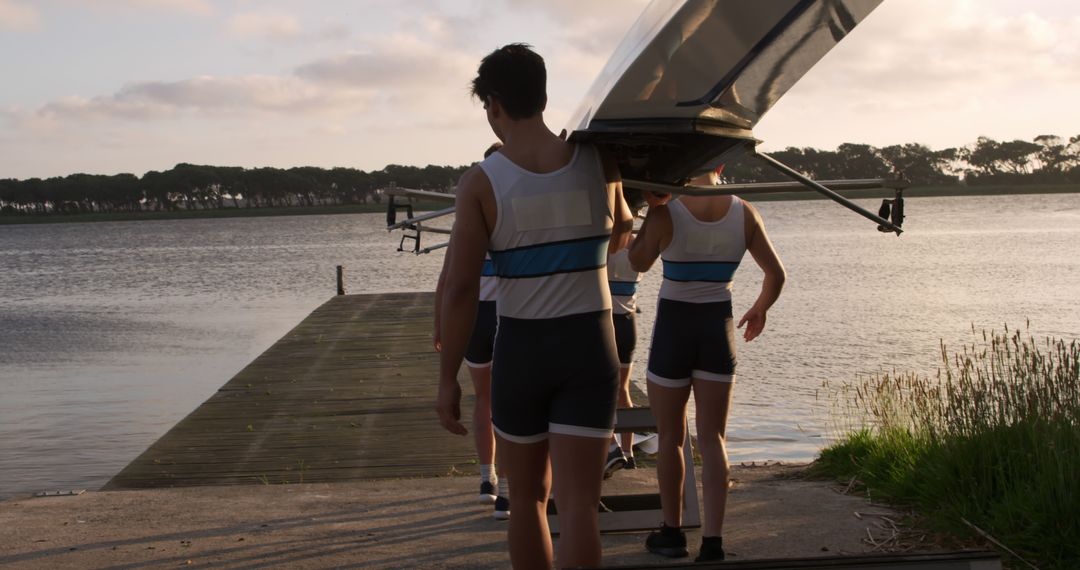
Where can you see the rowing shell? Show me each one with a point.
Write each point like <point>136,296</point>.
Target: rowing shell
<point>685,87</point>
<point>689,81</point>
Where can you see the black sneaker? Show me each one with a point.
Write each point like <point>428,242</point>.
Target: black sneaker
<point>667,541</point>
<point>615,461</point>
<point>502,509</point>
<point>630,463</point>
<point>712,549</point>
<point>487,492</point>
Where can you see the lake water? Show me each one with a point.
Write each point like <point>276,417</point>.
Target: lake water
<point>112,332</point>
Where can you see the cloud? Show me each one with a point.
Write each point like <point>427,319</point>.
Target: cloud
<point>415,82</point>
<point>332,31</point>
<point>399,61</point>
<point>264,25</point>
<point>281,27</point>
<point>577,13</point>
<point>924,49</point>
<point>193,7</point>
<point>206,95</point>
<point>922,70</point>
<point>18,17</point>
<point>593,27</point>
<point>401,78</point>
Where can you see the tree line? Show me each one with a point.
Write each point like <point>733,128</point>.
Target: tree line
<point>192,186</point>
<point>1047,159</point>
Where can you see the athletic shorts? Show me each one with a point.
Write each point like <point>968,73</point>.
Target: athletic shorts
<point>478,353</point>
<point>556,375</point>
<point>625,337</point>
<point>692,340</point>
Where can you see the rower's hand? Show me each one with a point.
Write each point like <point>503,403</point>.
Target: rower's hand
<point>448,406</point>
<point>654,199</point>
<point>754,319</point>
<point>437,340</point>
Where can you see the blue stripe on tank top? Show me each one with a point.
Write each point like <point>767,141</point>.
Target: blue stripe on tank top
<point>623,288</point>
<point>551,258</point>
<point>710,271</point>
<point>489,269</point>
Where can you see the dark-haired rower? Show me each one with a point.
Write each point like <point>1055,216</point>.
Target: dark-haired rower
<point>546,209</point>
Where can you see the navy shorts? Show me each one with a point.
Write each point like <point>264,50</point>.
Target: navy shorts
<point>625,337</point>
<point>482,342</point>
<point>556,375</point>
<point>692,340</point>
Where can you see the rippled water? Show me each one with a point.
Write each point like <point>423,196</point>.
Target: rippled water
<point>112,332</point>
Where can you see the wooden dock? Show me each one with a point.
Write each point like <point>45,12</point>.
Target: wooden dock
<point>347,394</point>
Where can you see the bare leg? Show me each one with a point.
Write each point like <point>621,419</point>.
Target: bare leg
<point>577,465</point>
<point>482,432</point>
<point>530,540</point>
<point>669,409</point>
<point>625,402</point>
<point>500,463</point>
<point>713,402</point>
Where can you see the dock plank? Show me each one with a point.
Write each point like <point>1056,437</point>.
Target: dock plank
<point>347,394</point>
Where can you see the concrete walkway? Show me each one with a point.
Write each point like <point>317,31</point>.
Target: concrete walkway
<point>391,523</point>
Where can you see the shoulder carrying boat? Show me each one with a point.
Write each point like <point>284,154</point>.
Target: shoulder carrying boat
<point>684,89</point>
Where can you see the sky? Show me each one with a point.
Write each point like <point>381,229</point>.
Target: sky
<point>110,86</point>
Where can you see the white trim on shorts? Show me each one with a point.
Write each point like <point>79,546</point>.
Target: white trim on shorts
<point>564,429</point>
<point>684,382</point>
<point>666,382</point>
<point>626,365</point>
<point>520,438</point>
<point>477,364</point>
<point>712,376</point>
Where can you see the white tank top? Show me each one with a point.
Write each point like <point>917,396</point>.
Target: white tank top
<point>622,282</point>
<point>702,257</point>
<point>549,245</point>
<point>488,280</point>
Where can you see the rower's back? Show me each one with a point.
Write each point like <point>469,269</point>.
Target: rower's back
<point>549,243</point>
<point>707,244</point>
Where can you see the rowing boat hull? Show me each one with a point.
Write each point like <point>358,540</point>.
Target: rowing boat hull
<point>684,89</point>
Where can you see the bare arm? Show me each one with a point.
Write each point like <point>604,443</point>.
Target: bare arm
<point>761,249</point>
<point>460,293</point>
<point>623,218</point>
<point>654,236</point>
<point>437,337</point>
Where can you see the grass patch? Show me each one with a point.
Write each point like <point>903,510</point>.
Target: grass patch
<point>992,441</point>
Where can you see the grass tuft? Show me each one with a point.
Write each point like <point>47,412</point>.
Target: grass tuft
<point>993,438</point>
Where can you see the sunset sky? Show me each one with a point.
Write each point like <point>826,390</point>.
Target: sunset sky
<point>108,86</point>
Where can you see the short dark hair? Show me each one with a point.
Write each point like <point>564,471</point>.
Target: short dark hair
<point>515,75</point>
<point>495,146</point>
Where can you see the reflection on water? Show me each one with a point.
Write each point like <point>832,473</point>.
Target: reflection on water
<point>112,332</point>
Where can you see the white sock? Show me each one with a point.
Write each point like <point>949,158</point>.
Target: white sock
<point>504,487</point>
<point>487,473</point>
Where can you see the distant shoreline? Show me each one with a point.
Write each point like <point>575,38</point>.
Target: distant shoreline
<point>10,219</point>
<point>914,192</point>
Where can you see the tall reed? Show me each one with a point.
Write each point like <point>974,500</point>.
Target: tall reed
<point>993,438</point>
